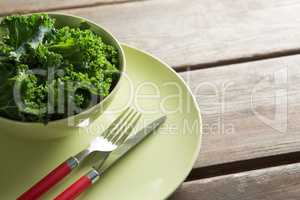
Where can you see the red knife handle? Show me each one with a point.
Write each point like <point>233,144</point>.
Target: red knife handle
<point>79,186</point>
<point>50,180</point>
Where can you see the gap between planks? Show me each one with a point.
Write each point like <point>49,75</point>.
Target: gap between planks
<point>58,7</point>
<point>243,166</point>
<point>275,183</point>
<point>238,60</point>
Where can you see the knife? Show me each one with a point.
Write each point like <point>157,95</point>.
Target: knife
<point>93,175</point>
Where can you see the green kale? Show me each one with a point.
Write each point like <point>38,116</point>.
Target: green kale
<point>48,73</point>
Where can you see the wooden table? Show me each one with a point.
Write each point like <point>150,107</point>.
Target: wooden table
<point>241,60</point>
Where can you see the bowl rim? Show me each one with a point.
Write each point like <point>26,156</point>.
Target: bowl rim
<point>114,90</point>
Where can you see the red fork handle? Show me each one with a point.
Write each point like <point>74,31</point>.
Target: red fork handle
<point>55,176</point>
<point>79,186</point>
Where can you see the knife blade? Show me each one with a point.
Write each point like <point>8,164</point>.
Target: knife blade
<point>133,141</point>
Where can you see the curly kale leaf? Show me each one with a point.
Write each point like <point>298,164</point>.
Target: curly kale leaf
<point>52,67</point>
<point>89,55</point>
<point>25,30</point>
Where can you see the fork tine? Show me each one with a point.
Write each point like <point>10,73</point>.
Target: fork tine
<point>114,123</point>
<point>126,134</point>
<point>114,131</point>
<point>124,127</point>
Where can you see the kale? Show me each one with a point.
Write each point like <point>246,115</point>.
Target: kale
<point>49,73</point>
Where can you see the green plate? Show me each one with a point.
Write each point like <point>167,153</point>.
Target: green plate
<point>151,171</point>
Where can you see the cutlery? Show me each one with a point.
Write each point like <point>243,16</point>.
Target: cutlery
<point>94,174</point>
<point>112,137</point>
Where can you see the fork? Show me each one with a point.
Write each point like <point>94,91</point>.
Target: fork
<point>112,137</point>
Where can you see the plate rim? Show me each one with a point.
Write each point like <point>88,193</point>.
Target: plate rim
<point>199,116</point>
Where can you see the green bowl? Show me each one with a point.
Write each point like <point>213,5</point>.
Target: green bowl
<point>71,125</point>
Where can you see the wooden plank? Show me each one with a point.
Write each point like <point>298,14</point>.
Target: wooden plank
<point>204,32</point>
<point>27,6</point>
<point>250,110</point>
<point>276,183</point>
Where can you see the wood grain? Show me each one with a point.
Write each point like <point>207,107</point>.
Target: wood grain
<point>201,33</point>
<point>276,183</point>
<point>250,110</point>
<point>26,6</point>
